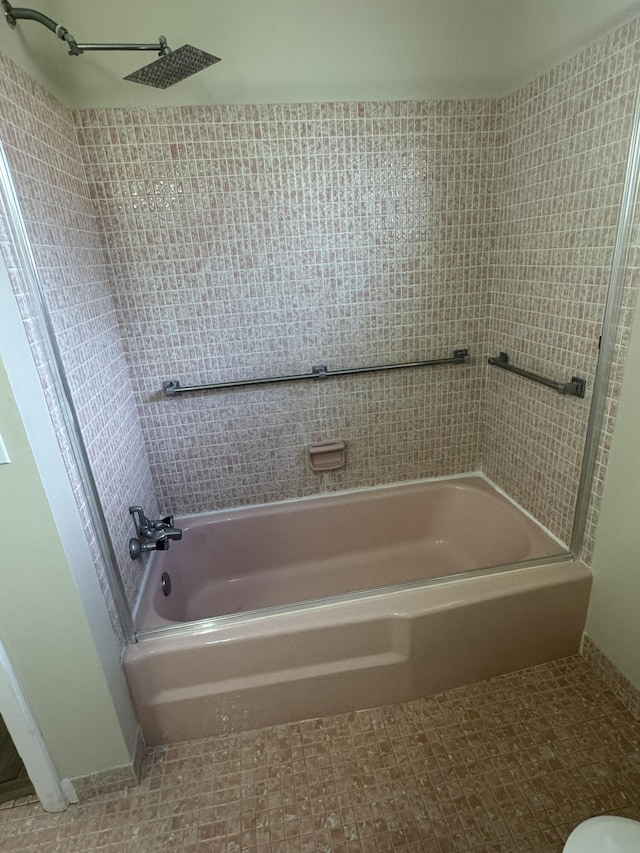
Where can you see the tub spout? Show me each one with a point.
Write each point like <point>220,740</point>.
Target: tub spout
<point>162,537</point>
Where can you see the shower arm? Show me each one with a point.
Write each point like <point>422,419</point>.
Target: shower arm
<point>14,14</point>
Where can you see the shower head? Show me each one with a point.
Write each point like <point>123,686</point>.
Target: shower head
<point>173,66</point>
<point>170,68</point>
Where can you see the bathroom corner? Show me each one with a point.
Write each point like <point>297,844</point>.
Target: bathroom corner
<point>55,631</point>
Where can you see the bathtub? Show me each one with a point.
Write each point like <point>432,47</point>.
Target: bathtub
<point>329,604</point>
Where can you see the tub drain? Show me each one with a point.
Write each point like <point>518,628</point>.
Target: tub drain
<point>165,582</point>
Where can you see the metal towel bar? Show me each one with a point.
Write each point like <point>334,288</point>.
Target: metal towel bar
<point>171,387</point>
<point>575,388</point>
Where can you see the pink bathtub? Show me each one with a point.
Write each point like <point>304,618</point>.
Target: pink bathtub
<point>346,601</point>
<point>248,559</point>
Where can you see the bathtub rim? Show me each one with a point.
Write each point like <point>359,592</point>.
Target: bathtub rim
<point>215,623</point>
<point>357,490</point>
<point>210,623</point>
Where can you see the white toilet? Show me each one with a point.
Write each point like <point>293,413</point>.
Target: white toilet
<point>605,834</point>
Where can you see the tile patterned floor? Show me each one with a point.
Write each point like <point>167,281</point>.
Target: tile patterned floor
<point>509,764</point>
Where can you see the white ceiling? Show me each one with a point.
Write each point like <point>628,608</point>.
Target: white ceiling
<point>299,50</point>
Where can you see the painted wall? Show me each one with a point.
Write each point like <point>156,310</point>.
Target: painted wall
<point>612,621</point>
<point>31,49</point>
<point>540,34</point>
<point>302,50</point>
<point>42,621</point>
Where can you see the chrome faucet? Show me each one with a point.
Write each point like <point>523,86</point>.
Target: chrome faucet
<point>158,533</point>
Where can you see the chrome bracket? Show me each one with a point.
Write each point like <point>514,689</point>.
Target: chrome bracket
<point>171,387</point>
<point>576,388</point>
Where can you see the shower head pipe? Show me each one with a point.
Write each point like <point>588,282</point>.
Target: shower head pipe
<point>170,68</point>
<point>14,14</point>
<point>160,46</point>
<point>18,14</point>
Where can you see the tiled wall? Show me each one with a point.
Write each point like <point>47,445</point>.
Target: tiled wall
<point>256,240</point>
<point>260,240</point>
<point>41,146</point>
<point>564,150</point>
<point>247,241</point>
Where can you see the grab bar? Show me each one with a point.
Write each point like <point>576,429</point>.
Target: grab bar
<point>575,388</point>
<point>171,387</point>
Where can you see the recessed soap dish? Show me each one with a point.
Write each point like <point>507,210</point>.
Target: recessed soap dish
<point>327,455</point>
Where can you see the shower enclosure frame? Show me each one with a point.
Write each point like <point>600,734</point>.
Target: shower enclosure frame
<point>610,326</point>
<point>10,208</point>
<point>609,330</point>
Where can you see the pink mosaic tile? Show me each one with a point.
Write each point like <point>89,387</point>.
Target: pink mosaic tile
<point>564,147</point>
<point>278,237</point>
<point>260,240</point>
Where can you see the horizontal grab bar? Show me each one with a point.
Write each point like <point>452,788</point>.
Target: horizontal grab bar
<point>575,388</point>
<point>171,387</point>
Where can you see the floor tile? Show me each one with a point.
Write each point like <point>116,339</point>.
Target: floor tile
<point>507,765</point>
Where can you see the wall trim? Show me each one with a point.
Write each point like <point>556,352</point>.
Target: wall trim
<point>612,675</point>
<point>114,780</point>
<point>27,738</point>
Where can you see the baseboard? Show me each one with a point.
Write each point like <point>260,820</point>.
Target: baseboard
<point>116,778</point>
<point>615,680</point>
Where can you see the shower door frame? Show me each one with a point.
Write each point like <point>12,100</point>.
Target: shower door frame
<point>32,283</point>
<point>609,332</point>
